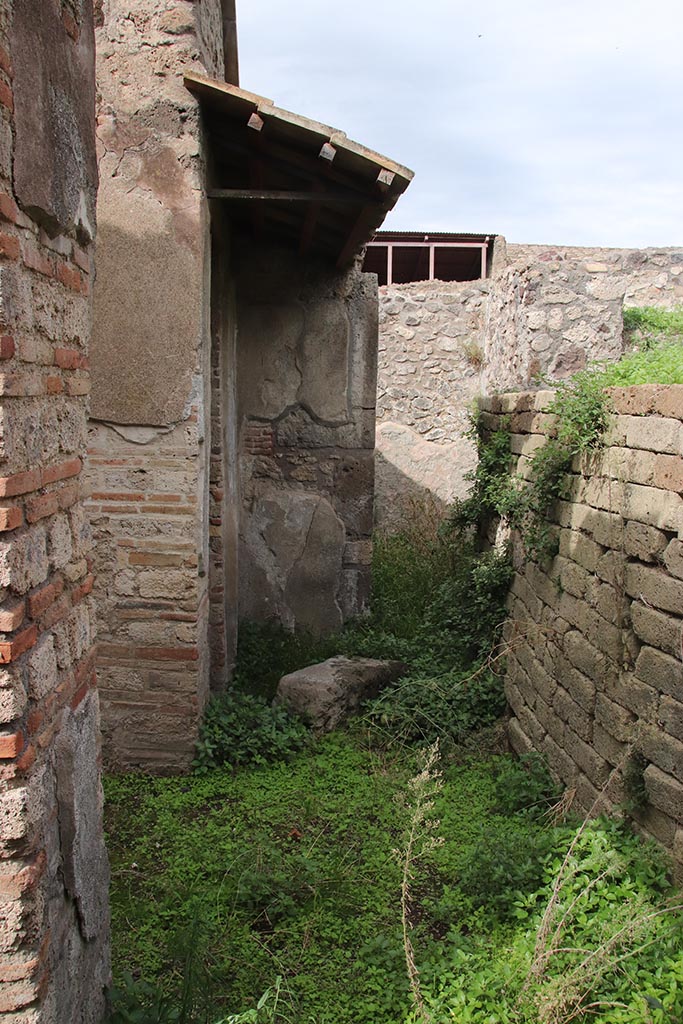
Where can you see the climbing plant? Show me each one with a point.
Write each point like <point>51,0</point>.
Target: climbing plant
<point>581,413</point>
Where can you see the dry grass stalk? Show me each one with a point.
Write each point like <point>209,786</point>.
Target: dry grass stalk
<point>419,841</point>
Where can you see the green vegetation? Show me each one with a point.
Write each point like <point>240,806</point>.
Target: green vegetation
<point>351,882</point>
<point>438,606</point>
<point>645,326</point>
<point>363,880</point>
<point>581,411</point>
<point>241,728</point>
<point>283,878</point>
<point>581,407</point>
<point>655,338</point>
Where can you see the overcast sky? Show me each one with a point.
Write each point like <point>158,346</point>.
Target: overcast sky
<point>556,121</point>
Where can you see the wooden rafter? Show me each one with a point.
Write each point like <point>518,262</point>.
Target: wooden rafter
<point>283,195</point>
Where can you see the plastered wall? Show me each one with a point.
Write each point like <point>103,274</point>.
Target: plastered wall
<point>595,665</point>
<point>307,359</point>
<point>54,927</point>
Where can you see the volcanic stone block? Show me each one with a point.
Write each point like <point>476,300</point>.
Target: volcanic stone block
<point>328,693</point>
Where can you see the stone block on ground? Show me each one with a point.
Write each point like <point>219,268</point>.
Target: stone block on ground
<point>328,693</point>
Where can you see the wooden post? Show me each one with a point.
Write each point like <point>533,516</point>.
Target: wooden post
<point>390,263</point>
<point>483,260</point>
<point>230,55</point>
<point>431,262</point>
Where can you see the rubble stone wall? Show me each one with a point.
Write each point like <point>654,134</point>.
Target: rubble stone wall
<point>54,927</point>
<point>652,277</point>
<point>307,365</point>
<point>431,356</point>
<point>595,666</point>
<point>550,319</point>
<point>544,311</point>
<point>149,464</point>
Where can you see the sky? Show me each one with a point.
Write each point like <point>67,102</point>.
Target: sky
<point>547,121</point>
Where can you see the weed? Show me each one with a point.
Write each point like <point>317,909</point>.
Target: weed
<point>266,651</point>
<point>635,786</point>
<point>265,1011</point>
<point>240,728</point>
<point>447,707</point>
<point>286,870</point>
<point>418,841</point>
<point>473,352</point>
<point>526,785</point>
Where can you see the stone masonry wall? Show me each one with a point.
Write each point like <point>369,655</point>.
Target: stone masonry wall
<point>652,277</point>
<point>429,373</point>
<point>550,319</point>
<point>149,464</point>
<point>595,667</point>
<point>53,867</point>
<point>306,355</point>
<point>545,310</point>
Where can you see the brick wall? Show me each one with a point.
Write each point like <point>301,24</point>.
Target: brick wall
<point>152,593</point>
<point>223,525</point>
<point>595,672</point>
<point>151,466</point>
<point>53,869</point>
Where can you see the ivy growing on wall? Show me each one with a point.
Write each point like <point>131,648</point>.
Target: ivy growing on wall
<point>581,410</point>
<point>581,415</point>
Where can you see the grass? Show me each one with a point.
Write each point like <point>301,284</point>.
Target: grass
<point>319,887</point>
<point>655,337</point>
<point>339,884</point>
<point>288,871</point>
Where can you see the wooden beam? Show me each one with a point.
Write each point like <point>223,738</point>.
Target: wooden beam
<point>255,122</point>
<point>307,167</point>
<point>282,195</point>
<point>424,245</point>
<point>369,217</point>
<point>310,224</point>
<point>231,69</point>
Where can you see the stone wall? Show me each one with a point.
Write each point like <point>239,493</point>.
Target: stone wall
<point>53,868</point>
<point>550,319</point>
<point>429,373</point>
<point>595,668</point>
<point>545,310</point>
<point>149,465</point>
<point>652,277</point>
<point>306,354</point>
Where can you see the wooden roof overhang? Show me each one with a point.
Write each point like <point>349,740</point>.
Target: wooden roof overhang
<point>293,179</point>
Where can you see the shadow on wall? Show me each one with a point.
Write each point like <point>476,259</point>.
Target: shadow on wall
<point>147,319</point>
<point>412,473</point>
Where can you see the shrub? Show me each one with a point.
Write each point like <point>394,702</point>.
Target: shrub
<point>525,784</point>
<point>266,651</point>
<point>445,707</point>
<point>241,728</point>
